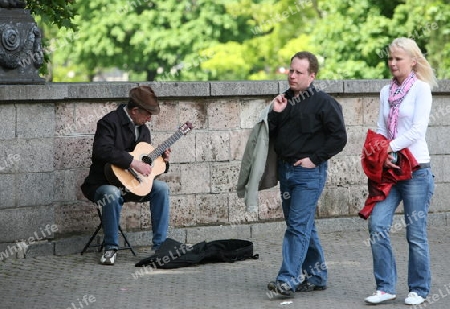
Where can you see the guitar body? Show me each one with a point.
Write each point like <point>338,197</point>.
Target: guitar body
<point>135,182</point>
<point>126,179</point>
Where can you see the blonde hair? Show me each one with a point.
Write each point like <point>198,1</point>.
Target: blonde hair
<point>423,69</point>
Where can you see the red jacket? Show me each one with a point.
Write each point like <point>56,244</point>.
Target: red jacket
<point>380,179</point>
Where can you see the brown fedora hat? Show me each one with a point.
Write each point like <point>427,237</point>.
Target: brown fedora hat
<point>145,97</point>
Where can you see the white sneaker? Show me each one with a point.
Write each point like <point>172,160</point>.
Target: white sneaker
<point>414,299</point>
<point>378,297</point>
<point>109,257</point>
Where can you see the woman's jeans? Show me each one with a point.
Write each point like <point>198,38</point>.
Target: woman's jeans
<point>300,191</point>
<point>416,194</point>
<point>110,198</point>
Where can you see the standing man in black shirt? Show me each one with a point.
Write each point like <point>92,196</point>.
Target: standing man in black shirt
<point>308,127</point>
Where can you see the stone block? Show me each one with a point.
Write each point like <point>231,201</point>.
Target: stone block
<point>244,88</point>
<point>134,215</point>
<point>195,178</point>
<point>167,120</point>
<point>35,120</point>
<point>224,177</point>
<point>283,85</point>
<point>10,157</point>
<point>183,150</point>
<point>35,189</point>
<point>365,86</point>
<point>95,91</point>
<point>65,186</point>
<point>31,155</point>
<point>222,115</point>
<point>440,168</point>
<point>352,109</point>
<point>183,210</point>
<point>345,171</point>
<point>212,146</point>
<point>72,152</point>
<point>251,110</point>
<point>78,218</point>
<point>275,229</point>
<point>172,178</point>
<point>46,92</point>
<point>210,233</point>
<point>8,191</point>
<point>443,88</point>
<point>180,89</point>
<point>330,86</point>
<point>270,204</point>
<point>237,211</point>
<point>439,219</point>
<point>142,212</point>
<point>8,251</point>
<point>357,197</point>
<point>179,234</point>
<point>80,175</point>
<point>42,248</point>
<point>356,135</point>
<point>8,121</point>
<point>371,107</point>
<point>64,119</point>
<point>195,112</point>
<point>439,202</point>
<point>26,223</point>
<point>440,111</point>
<point>238,141</point>
<point>86,116</point>
<point>212,208</point>
<point>333,202</point>
<point>438,139</point>
<point>137,239</point>
<point>70,245</point>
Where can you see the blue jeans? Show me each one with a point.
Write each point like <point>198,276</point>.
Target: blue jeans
<point>300,191</point>
<point>110,198</point>
<point>416,194</point>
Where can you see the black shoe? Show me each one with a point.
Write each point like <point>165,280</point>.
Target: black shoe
<point>281,288</point>
<point>309,287</point>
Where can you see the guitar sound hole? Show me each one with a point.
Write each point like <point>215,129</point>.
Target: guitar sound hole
<point>147,159</point>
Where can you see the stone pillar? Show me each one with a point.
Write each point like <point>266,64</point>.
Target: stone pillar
<point>21,53</point>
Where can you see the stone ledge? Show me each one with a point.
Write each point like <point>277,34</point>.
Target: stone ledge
<point>50,92</point>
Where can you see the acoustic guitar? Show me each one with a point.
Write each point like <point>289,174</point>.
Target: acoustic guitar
<point>135,182</point>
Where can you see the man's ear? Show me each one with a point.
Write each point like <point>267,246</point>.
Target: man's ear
<point>134,110</point>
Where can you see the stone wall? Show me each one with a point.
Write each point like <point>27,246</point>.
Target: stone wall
<point>46,136</point>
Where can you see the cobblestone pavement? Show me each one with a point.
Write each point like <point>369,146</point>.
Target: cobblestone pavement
<point>79,282</point>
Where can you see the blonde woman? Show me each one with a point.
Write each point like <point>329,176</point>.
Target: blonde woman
<point>405,106</point>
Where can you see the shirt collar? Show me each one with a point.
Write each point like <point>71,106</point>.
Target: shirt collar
<point>128,115</point>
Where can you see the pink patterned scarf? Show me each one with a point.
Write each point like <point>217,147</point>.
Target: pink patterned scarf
<point>396,95</point>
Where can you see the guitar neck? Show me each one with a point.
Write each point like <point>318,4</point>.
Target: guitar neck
<point>158,151</point>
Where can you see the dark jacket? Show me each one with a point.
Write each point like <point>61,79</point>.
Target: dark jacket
<point>113,140</point>
<point>380,179</point>
<point>311,125</point>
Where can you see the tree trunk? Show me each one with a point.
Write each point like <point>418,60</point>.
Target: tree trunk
<point>151,75</point>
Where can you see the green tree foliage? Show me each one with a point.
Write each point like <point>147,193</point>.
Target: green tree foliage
<point>350,37</point>
<point>57,12</point>
<point>51,15</point>
<point>246,39</point>
<point>165,39</point>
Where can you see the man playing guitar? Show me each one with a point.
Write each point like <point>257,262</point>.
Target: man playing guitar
<point>116,136</point>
